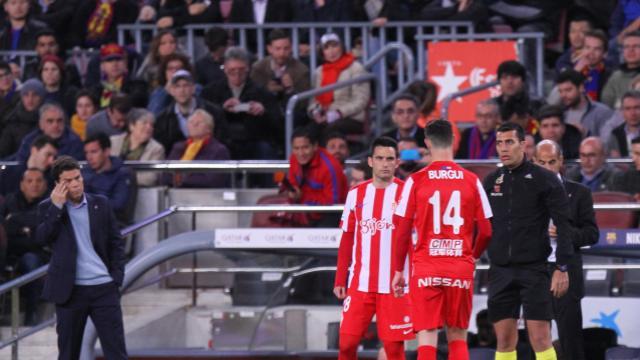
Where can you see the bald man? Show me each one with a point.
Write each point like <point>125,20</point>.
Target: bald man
<point>567,310</point>
<point>593,171</point>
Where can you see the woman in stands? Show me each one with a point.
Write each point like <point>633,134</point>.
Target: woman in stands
<point>162,45</point>
<point>86,107</point>
<point>137,144</point>
<point>342,110</point>
<point>51,73</point>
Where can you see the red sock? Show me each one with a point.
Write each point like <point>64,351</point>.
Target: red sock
<point>394,349</point>
<point>458,350</point>
<point>348,347</point>
<point>426,352</point>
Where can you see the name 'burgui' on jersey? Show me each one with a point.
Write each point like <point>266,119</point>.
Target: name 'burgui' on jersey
<point>446,174</point>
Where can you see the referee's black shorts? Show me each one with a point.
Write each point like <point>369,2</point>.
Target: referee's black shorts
<point>513,286</point>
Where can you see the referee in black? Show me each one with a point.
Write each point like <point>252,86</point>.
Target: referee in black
<point>567,309</point>
<point>524,197</point>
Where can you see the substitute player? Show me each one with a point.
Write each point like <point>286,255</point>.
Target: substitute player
<point>443,202</point>
<point>366,250</point>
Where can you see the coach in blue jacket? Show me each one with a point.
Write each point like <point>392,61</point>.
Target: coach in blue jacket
<point>87,263</point>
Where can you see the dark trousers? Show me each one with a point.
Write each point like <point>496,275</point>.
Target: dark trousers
<point>31,292</point>
<point>567,312</point>
<point>102,304</point>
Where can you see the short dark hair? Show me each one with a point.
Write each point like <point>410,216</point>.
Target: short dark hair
<point>90,95</point>
<point>46,32</point>
<point>186,65</point>
<point>31,169</point>
<point>635,33</point>
<point>635,140</point>
<point>600,35</point>
<point>439,132</point>
<point>510,126</point>
<point>121,102</point>
<point>334,135</point>
<point>512,67</point>
<point>363,166</point>
<point>62,164</point>
<point>551,111</point>
<point>42,141</point>
<point>384,141</point>
<point>405,97</point>
<point>634,94</point>
<point>215,38</point>
<point>514,105</point>
<point>5,66</point>
<point>408,139</point>
<point>102,139</point>
<point>571,76</point>
<point>305,132</point>
<point>278,34</point>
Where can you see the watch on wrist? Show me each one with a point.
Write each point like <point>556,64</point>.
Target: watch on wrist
<point>562,268</point>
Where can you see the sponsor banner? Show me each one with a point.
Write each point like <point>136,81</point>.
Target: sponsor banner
<point>619,237</point>
<point>455,66</point>
<point>278,238</point>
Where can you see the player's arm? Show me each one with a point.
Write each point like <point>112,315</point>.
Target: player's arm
<point>403,221</point>
<point>483,214</point>
<point>347,224</point>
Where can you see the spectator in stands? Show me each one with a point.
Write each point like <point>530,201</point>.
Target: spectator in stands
<point>512,77</point>
<point>57,15</point>
<point>95,23</point>
<point>160,97</point>
<point>171,125</point>
<point>342,110</point>
<point>412,157</point>
<point>280,73</point>
<point>554,128</point>
<point>209,67</point>
<point>86,107</point>
<point>138,144</point>
<point>620,139</point>
<point>593,66</point>
<point>359,173</point>
<point>529,146</point>
<point>42,153</point>
<point>474,11</point>
<point>518,110</point>
<point>115,78</point>
<point>306,11</point>
<point>200,145</point>
<point>163,44</point>
<point>254,12</point>
<point>427,94</point>
<point>593,171</point>
<point>336,145</point>
<point>53,123</point>
<point>316,178</point>
<point>113,119</point>
<point>106,175</point>
<point>478,142</point>
<point>18,215</point>
<point>629,181</point>
<point>579,26</point>
<point>52,74</point>
<point>620,79</point>
<point>47,44</point>
<point>23,119</point>
<point>254,119</point>
<point>581,111</point>
<point>18,32</point>
<point>8,91</point>
<point>404,115</point>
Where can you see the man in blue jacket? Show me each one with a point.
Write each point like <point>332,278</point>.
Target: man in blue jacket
<point>106,175</point>
<point>87,263</point>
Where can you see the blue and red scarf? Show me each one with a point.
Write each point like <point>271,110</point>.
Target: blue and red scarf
<point>480,150</point>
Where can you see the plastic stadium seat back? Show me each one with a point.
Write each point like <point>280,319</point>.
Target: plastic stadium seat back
<point>622,353</point>
<point>617,219</point>
<point>598,282</point>
<point>481,170</point>
<point>271,219</point>
<point>481,354</point>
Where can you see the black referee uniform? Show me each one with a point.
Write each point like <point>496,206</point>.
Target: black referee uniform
<point>523,200</point>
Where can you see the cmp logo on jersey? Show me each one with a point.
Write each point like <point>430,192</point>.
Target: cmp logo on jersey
<point>445,247</point>
<point>371,226</point>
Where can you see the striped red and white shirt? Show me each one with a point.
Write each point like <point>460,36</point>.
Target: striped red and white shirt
<point>366,247</point>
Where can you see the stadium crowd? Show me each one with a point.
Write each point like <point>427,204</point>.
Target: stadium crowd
<point>120,105</point>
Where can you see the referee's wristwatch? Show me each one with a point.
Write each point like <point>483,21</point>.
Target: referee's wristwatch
<point>562,268</point>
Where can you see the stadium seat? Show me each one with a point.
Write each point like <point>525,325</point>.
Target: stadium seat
<point>597,341</point>
<point>622,353</point>
<point>599,282</point>
<point>481,354</point>
<point>616,219</point>
<point>271,219</point>
<point>481,170</point>
<point>631,281</point>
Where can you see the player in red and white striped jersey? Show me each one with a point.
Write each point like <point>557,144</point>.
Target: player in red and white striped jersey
<point>443,202</point>
<point>366,252</point>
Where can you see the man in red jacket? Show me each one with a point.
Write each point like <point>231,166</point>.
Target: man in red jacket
<point>315,178</point>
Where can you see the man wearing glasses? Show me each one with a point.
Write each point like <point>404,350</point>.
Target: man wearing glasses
<point>404,115</point>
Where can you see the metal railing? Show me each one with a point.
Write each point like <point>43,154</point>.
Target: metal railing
<point>444,112</point>
<point>23,56</point>
<point>519,37</point>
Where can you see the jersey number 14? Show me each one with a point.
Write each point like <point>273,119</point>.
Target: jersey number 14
<point>451,215</point>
